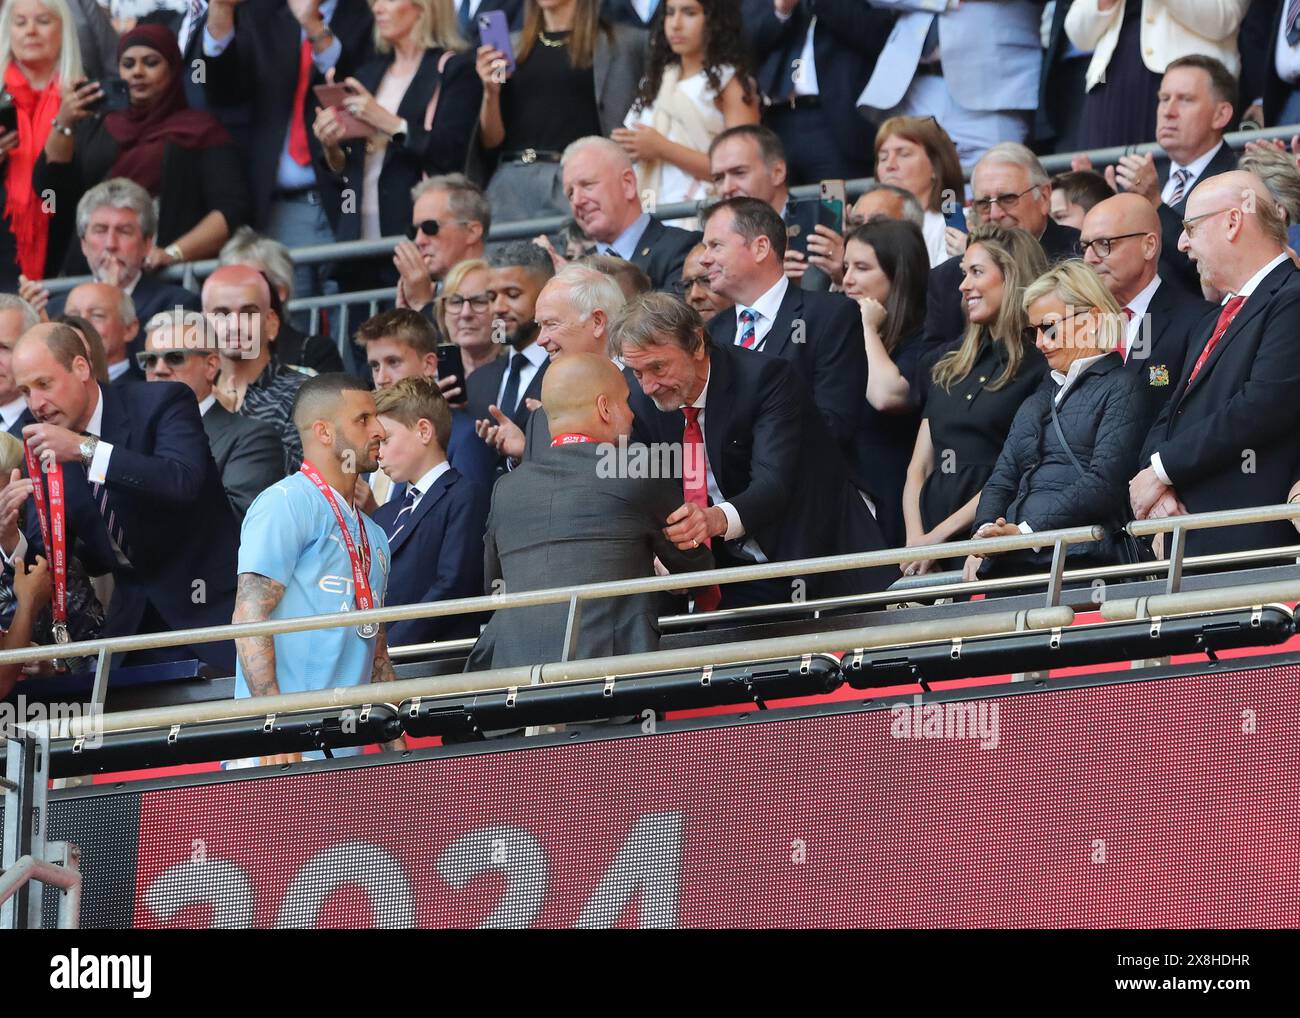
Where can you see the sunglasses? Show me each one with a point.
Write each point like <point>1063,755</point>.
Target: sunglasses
<point>429,227</point>
<point>172,358</point>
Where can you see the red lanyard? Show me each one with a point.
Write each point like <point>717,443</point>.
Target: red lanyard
<point>570,438</point>
<point>53,533</point>
<point>360,563</point>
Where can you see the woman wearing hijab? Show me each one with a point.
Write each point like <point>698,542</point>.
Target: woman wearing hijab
<point>184,158</point>
<point>38,53</point>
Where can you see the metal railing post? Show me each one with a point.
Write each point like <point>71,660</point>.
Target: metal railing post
<point>571,627</point>
<point>1177,548</point>
<point>1057,578</point>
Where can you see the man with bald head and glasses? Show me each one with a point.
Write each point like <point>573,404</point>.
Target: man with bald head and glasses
<point>450,219</point>
<point>1121,239</point>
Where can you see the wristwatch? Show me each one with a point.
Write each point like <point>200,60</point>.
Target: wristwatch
<point>87,449</point>
<point>174,252</point>
<point>398,137</point>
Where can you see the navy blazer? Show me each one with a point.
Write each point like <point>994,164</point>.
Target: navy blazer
<point>473,458</point>
<point>179,529</point>
<point>437,555</point>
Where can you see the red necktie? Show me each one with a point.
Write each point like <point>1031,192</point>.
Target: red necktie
<point>1226,316</point>
<point>298,149</point>
<point>695,485</point>
<point>1122,345</point>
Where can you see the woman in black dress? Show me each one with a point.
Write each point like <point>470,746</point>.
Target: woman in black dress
<point>886,268</point>
<point>974,391</point>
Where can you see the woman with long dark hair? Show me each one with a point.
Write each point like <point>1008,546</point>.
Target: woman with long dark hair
<point>576,74</point>
<point>886,269</point>
<point>697,85</point>
<point>183,157</point>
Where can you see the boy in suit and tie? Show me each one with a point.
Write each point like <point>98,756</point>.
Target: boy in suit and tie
<point>436,517</point>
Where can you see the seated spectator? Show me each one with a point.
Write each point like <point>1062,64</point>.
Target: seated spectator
<point>419,98</point>
<point>1226,438</point>
<point>139,485</point>
<point>94,344</point>
<point>184,158</point>
<point>973,391</point>
<point>401,344</point>
<point>435,518</point>
<point>16,317</point>
<point>777,487</point>
<point>1070,451</point>
<point>36,63</point>
<point>247,452</point>
<point>575,242</point>
<point>694,287</point>
<point>601,187</point>
<point>819,333</point>
<point>116,223</point>
<point>291,539</point>
<point>508,384</point>
<point>1075,193</point>
<point>886,269</point>
<point>252,382</point>
<point>1011,190</point>
<point>270,257</point>
<point>559,520</point>
<point>915,154</point>
<point>1132,45</point>
<point>112,314</point>
<point>553,98</point>
<point>885,201</point>
<point>465,314</point>
<point>450,219</point>
<point>697,85</point>
<point>972,67</point>
<point>631,280</point>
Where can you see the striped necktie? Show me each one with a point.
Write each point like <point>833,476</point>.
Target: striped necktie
<point>403,516</point>
<point>1180,183</point>
<point>748,337</point>
<point>99,493</point>
<point>1292,22</point>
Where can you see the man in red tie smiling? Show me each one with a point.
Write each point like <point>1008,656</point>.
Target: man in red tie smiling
<point>1226,438</point>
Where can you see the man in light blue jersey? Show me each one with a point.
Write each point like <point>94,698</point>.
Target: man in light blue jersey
<point>305,549</point>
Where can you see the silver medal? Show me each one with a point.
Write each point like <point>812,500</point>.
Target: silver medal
<point>368,630</point>
<point>60,630</point>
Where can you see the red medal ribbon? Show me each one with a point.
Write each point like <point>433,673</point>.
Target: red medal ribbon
<point>570,438</point>
<point>53,527</point>
<point>360,563</point>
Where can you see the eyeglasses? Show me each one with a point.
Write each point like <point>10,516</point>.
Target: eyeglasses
<point>1048,331</point>
<point>1187,223</point>
<point>1101,246</point>
<point>1006,202</point>
<point>478,303</point>
<point>684,285</point>
<point>147,361</point>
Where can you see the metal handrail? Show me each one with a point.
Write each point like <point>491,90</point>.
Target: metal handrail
<point>525,229</point>
<point>66,878</point>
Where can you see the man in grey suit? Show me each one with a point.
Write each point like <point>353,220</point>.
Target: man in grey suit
<point>571,516</point>
<point>248,451</point>
<point>974,68</point>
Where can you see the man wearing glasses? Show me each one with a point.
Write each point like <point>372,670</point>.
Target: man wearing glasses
<point>1012,189</point>
<point>247,451</point>
<point>1121,239</point>
<point>694,287</point>
<point>449,222</point>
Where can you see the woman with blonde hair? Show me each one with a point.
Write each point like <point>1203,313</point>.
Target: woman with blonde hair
<point>1074,443</point>
<point>465,313</point>
<point>916,154</point>
<point>38,56</point>
<point>974,391</point>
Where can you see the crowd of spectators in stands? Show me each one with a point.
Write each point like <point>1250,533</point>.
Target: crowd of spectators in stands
<point>936,360</point>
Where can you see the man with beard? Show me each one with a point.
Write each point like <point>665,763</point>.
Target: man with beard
<point>519,270</point>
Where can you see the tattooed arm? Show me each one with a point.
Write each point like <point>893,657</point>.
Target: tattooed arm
<point>255,599</point>
<point>382,671</point>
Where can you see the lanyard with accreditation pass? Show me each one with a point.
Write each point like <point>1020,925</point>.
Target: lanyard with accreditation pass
<point>570,438</point>
<point>359,558</point>
<point>53,533</point>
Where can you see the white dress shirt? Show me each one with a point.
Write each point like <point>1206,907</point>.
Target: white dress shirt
<point>536,356</point>
<point>426,482</point>
<point>1286,57</point>
<point>10,412</point>
<point>765,309</point>
<point>1245,291</point>
<point>1072,373</point>
<point>205,404</point>
<point>1138,305</point>
<point>1196,167</point>
<point>735,528</point>
<point>193,15</point>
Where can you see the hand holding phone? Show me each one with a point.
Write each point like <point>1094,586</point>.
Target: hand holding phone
<point>331,97</point>
<point>494,31</point>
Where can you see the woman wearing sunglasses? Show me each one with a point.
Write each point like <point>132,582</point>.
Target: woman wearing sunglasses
<point>1074,443</point>
<point>973,392</point>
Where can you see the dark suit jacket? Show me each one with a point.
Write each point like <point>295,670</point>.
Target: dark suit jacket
<point>254,70</point>
<point>482,386</point>
<point>514,11</point>
<point>179,529</point>
<point>423,153</point>
<point>944,320</point>
<point>1174,265</point>
<point>248,455</point>
<point>560,521</point>
<point>151,296</point>
<point>1156,361</point>
<point>25,418</point>
<point>316,352</point>
<point>621,12</point>
<point>775,463</point>
<point>474,459</point>
<point>1228,440</point>
<point>437,556</point>
<point>849,37</point>
<point>821,335</point>
<point>661,252</point>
